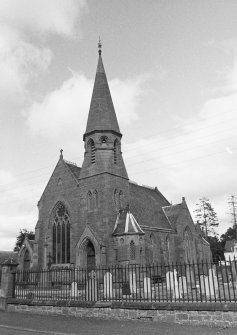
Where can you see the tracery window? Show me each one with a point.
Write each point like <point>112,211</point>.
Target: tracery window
<point>188,245</point>
<point>132,250</point>
<point>61,235</point>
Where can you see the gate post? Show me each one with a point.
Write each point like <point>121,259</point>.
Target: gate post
<point>8,278</point>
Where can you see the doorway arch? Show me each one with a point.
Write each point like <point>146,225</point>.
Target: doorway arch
<point>90,255</point>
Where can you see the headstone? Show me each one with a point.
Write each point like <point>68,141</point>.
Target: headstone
<point>183,286</point>
<point>108,286</point>
<point>172,283</point>
<point>202,285</point>
<point>74,289</point>
<point>147,287</point>
<point>92,287</point>
<point>211,284</point>
<point>132,282</point>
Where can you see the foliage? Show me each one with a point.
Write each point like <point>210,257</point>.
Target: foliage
<point>21,236</point>
<point>230,234</point>
<point>216,248</point>
<point>206,216</point>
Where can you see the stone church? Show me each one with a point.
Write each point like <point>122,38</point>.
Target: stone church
<point>94,215</point>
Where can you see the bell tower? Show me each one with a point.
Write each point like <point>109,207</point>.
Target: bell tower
<point>102,136</point>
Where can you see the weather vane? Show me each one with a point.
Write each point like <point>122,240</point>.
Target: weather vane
<point>99,46</point>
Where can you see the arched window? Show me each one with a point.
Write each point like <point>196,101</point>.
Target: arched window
<point>167,245</point>
<point>95,199</point>
<point>132,250</point>
<point>188,245</point>
<point>116,199</point>
<point>89,201</point>
<point>61,235</point>
<point>121,200</point>
<point>91,148</point>
<point>116,151</point>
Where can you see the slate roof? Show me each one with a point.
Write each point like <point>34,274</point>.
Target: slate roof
<point>102,115</point>
<point>126,224</point>
<point>74,169</point>
<point>146,205</point>
<point>172,213</point>
<point>229,245</point>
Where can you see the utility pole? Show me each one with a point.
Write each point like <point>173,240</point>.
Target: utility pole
<point>232,201</point>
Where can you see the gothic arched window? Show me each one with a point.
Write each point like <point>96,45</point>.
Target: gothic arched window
<point>95,199</point>
<point>121,200</point>
<point>91,148</point>
<point>188,245</point>
<point>61,235</point>
<point>89,201</point>
<point>132,250</point>
<point>167,244</point>
<point>116,199</point>
<point>116,150</point>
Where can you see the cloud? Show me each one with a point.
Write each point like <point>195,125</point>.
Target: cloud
<point>64,111</point>
<point>42,16</point>
<point>23,54</point>
<point>197,157</point>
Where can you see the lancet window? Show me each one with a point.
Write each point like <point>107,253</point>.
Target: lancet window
<point>116,150</point>
<point>91,148</point>
<point>188,245</point>
<point>132,250</point>
<point>61,235</point>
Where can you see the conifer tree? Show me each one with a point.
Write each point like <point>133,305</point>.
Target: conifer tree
<point>206,216</point>
<point>21,236</point>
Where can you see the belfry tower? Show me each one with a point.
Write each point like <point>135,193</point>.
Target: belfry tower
<point>103,177</point>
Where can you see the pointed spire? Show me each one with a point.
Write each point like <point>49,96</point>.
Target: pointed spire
<point>102,115</point>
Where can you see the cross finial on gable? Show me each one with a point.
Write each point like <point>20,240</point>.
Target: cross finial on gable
<point>61,153</point>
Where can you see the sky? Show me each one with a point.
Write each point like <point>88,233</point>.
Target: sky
<point>172,72</point>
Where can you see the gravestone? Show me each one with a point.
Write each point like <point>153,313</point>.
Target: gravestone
<point>147,287</point>
<point>202,285</point>
<point>183,286</point>
<point>132,282</point>
<point>172,283</point>
<point>74,289</point>
<point>108,286</point>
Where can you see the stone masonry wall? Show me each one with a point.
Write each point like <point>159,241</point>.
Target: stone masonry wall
<point>213,318</point>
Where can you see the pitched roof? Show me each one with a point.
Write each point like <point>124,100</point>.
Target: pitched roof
<point>172,213</point>
<point>126,224</point>
<point>146,205</point>
<point>74,169</point>
<point>102,115</point>
<point>229,245</point>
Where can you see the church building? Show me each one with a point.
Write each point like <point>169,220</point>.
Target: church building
<point>94,215</point>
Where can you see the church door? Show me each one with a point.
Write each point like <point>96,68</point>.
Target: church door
<point>90,256</point>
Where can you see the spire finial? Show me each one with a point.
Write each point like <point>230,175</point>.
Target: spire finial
<point>99,46</point>
<point>61,153</point>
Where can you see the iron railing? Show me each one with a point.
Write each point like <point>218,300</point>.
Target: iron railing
<point>203,282</point>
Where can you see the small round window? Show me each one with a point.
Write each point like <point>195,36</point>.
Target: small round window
<point>104,139</point>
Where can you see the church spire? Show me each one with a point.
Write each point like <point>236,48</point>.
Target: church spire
<point>102,115</point>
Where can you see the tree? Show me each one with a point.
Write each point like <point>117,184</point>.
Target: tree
<point>206,216</point>
<point>21,237</point>
<point>230,234</point>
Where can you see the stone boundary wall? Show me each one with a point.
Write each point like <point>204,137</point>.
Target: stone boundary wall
<point>214,315</point>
